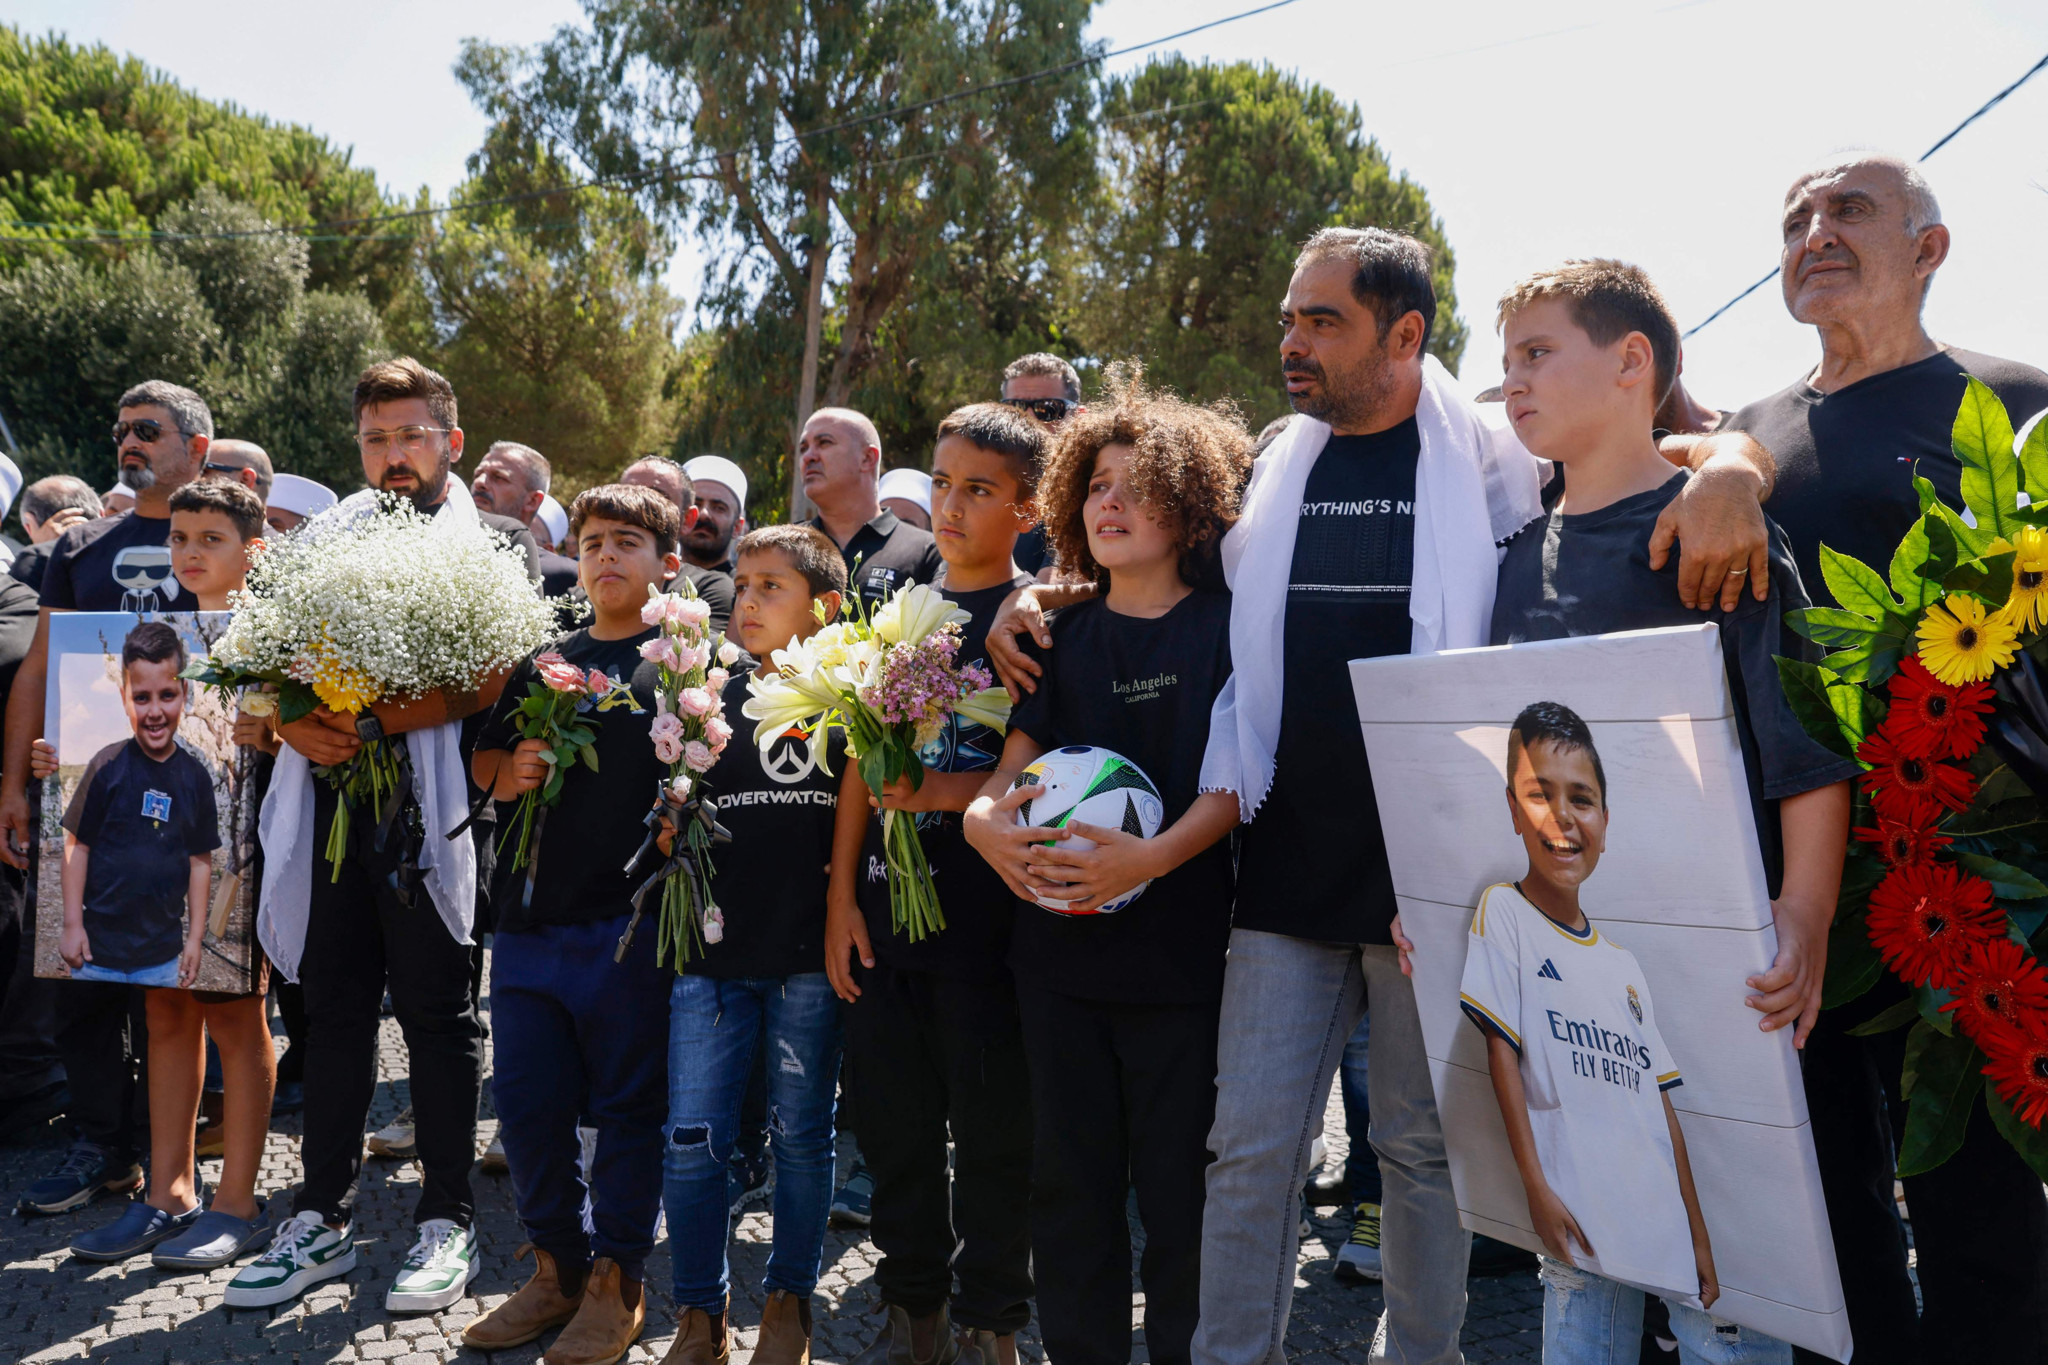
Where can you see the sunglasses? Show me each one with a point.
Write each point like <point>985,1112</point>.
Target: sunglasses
<point>1044,409</point>
<point>147,430</point>
<point>231,470</point>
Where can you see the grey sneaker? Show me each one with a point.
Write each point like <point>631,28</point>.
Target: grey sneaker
<point>214,1240</point>
<point>304,1252</point>
<point>394,1141</point>
<point>437,1270</point>
<point>1359,1259</point>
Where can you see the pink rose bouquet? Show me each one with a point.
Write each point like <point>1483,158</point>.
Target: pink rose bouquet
<point>689,733</point>
<point>561,710</point>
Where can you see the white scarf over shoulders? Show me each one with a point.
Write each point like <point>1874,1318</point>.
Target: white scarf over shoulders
<point>1475,485</point>
<point>291,844</point>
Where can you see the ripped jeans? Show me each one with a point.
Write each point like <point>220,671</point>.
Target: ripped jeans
<point>1591,1320</point>
<point>713,1025</point>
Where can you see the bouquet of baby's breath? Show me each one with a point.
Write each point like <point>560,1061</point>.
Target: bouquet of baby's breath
<point>349,610</point>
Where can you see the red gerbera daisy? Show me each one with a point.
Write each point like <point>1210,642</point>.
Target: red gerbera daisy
<point>2000,985</point>
<point>1908,789</point>
<point>2018,1066</point>
<point>1930,719</point>
<point>1903,845</point>
<point>1924,919</point>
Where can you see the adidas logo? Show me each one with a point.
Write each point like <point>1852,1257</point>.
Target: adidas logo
<point>1549,969</point>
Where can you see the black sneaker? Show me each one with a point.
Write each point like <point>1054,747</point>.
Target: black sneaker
<point>853,1205</point>
<point>746,1180</point>
<point>87,1172</point>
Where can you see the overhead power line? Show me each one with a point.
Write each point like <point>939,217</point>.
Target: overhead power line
<point>1986,107</point>
<point>688,165</point>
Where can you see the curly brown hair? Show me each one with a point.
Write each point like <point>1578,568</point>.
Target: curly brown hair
<point>1188,464</point>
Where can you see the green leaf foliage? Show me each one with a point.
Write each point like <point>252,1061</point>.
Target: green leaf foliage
<point>1894,1016</point>
<point>1983,441</point>
<point>2030,1142</point>
<point>1941,1082</point>
<point>1853,964</point>
<point>2034,464</point>
<point>1856,586</point>
<point>1834,713</point>
<point>2008,883</point>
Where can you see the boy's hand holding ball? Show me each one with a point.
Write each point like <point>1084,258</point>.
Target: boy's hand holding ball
<point>991,828</point>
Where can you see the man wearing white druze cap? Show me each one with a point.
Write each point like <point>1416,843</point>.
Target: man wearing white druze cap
<point>720,493</point>
<point>293,498</point>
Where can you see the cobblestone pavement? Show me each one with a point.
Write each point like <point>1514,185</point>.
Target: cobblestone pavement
<point>53,1308</point>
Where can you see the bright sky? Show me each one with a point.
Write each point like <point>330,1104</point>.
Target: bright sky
<point>1665,134</point>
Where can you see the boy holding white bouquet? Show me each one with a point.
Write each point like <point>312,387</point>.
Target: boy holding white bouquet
<point>581,1029</point>
<point>757,983</point>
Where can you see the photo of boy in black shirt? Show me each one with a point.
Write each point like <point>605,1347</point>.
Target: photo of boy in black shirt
<point>149,803</point>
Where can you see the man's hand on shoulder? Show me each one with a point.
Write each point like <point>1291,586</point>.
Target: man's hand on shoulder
<point>1023,613</point>
<point>1717,521</point>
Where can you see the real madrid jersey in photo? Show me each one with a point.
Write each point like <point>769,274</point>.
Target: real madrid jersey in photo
<point>1576,1009</point>
<point>1314,863</point>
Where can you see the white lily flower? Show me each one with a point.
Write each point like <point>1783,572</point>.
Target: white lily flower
<point>914,613</point>
<point>775,704</point>
<point>990,706</point>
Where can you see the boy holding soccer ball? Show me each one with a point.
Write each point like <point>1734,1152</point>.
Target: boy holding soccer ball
<point>932,1038</point>
<point>1120,1009</point>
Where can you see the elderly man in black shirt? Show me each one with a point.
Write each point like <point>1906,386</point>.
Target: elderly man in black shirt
<point>839,461</point>
<point>1863,239</point>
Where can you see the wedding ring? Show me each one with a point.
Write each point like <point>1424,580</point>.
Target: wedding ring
<point>1737,573</point>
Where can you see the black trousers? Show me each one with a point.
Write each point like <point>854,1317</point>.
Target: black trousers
<point>28,1004</point>
<point>938,1055</point>
<point>103,1038</point>
<point>361,934</point>
<point>1980,1220</point>
<point>1124,1095</point>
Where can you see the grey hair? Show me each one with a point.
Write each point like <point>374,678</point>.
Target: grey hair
<point>1923,210</point>
<point>1046,363</point>
<point>45,498</point>
<point>534,465</point>
<point>188,410</point>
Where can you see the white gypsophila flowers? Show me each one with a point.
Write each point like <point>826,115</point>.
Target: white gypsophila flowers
<point>405,603</point>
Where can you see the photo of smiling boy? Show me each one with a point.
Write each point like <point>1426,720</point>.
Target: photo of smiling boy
<point>1581,1072</point>
<point>153,801</point>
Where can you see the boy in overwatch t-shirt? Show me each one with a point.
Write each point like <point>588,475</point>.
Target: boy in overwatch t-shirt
<point>1580,1070</point>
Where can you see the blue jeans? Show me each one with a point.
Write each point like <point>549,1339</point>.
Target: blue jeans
<point>581,1035</point>
<point>714,1026</point>
<point>1361,1167</point>
<point>163,974</point>
<point>1591,1320</point>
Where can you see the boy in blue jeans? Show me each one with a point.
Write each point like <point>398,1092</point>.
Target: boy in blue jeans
<point>582,1031</point>
<point>761,985</point>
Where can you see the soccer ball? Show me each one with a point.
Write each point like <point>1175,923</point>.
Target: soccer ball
<point>1095,787</point>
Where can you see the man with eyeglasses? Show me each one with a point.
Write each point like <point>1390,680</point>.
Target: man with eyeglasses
<point>1046,387</point>
<point>121,563</point>
<point>839,461</point>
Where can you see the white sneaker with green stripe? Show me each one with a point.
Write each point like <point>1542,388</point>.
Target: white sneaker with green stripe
<point>437,1270</point>
<point>1359,1258</point>
<point>304,1252</point>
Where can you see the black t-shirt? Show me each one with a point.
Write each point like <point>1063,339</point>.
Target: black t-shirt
<point>887,554</point>
<point>30,565</point>
<point>1846,459</point>
<point>1589,574</point>
<point>715,587</point>
<point>1144,688</point>
<point>1313,862</point>
<point>143,821</point>
<point>557,574</point>
<point>977,905</point>
<point>117,563</point>
<point>1032,551</point>
<point>586,838</point>
<point>770,880</point>
<point>18,613</point>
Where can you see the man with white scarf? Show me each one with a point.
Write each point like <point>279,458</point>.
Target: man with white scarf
<point>1370,527</point>
<point>401,912</point>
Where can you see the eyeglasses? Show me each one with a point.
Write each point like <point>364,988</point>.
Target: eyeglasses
<point>1045,409</point>
<point>146,431</point>
<point>211,468</point>
<point>411,440</point>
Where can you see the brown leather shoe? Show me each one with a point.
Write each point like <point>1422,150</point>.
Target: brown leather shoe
<point>539,1305</point>
<point>701,1339</point>
<point>613,1314</point>
<point>905,1340</point>
<point>785,1331</point>
<point>986,1348</point>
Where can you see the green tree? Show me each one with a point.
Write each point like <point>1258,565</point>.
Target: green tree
<point>92,142</point>
<point>699,103</point>
<point>558,331</point>
<point>1214,177</point>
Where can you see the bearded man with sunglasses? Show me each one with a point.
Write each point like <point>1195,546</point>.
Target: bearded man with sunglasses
<point>119,563</point>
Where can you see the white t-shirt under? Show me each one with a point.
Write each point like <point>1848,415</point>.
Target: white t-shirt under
<point>1576,1009</point>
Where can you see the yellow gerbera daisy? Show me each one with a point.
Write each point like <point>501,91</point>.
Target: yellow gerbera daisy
<point>1961,643</point>
<point>2027,607</point>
